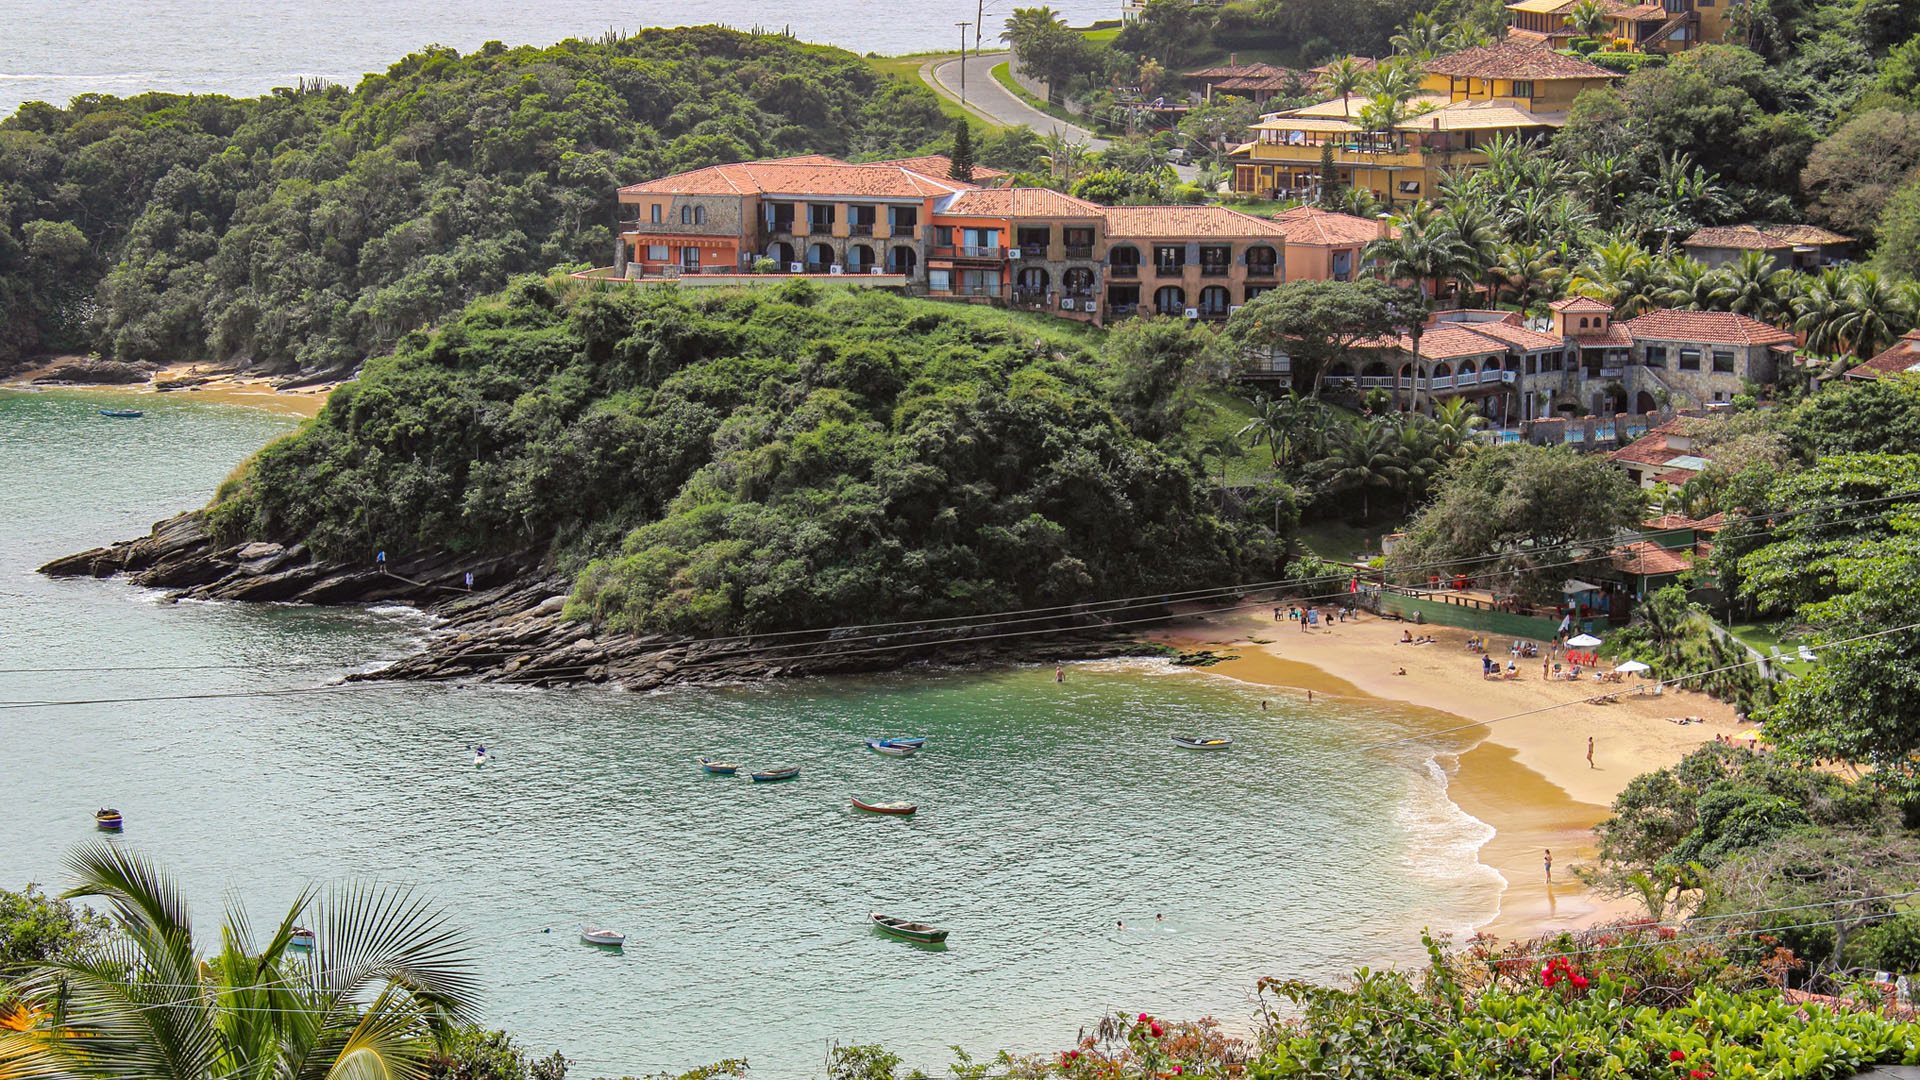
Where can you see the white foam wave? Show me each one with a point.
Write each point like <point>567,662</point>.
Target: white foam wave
<point>1444,841</point>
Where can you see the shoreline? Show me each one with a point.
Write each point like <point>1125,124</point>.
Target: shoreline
<point>215,386</point>
<point>1526,777</point>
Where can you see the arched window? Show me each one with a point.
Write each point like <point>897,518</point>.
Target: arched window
<point>1213,302</point>
<point>699,215</point>
<point>686,215</point>
<point>1170,300</point>
<point>1583,322</point>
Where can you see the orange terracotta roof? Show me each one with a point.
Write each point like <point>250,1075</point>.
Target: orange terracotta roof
<point>1614,336</point>
<point>1580,303</point>
<point>1181,222</point>
<point>1517,336</point>
<point>1312,225</point>
<point>1743,237</point>
<point>1255,70</point>
<point>1676,476</point>
<point>1682,521</point>
<point>1447,341</point>
<point>1019,202</point>
<point>1279,82</point>
<point>1707,327</point>
<point>1640,12</point>
<point>939,165</point>
<point>1528,37</point>
<point>1648,449</point>
<point>802,177</point>
<point>1902,356</point>
<point>1645,557</point>
<point>1364,63</point>
<point>1515,60</point>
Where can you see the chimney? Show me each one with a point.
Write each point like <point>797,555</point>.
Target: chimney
<point>1233,59</point>
<point>1386,226</point>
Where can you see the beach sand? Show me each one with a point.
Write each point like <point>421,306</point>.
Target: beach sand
<point>223,388</point>
<point>1526,776</point>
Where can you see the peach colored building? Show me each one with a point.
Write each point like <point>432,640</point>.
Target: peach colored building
<point>1325,246</point>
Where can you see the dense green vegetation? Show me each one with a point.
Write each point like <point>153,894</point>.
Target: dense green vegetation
<point>763,459</point>
<point>312,227</point>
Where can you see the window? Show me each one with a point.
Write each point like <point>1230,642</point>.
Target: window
<point>689,256</point>
<point>1523,88</point>
<point>656,252</point>
<point>1583,322</point>
<point>1409,187</point>
<point>656,213</point>
<point>686,215</point>
<point>940,280</point>
<point>1657,356</point>
<point>1723,361</point>
<point>699,215</point>
<point>1256,290</point>
<point>1689,359</point>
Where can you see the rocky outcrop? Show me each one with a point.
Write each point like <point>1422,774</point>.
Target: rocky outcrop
<point>97,372</point>
<point>511,626</point>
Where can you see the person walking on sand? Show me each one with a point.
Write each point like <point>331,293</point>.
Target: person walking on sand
<point>1589,751</point>
<point>1549,852</point>
<point>1059,673</point>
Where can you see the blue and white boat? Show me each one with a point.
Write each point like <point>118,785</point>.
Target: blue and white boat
<point>783,772</point>
<point>917,742</point>
<point>123,414</point>
<point>718,768</point>
<point>891,749</point>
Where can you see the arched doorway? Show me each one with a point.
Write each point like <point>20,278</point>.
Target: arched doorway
<point>859,259</point>
<point>1170,300</point>
<point>819,257</point>
<point>1644,403</point>
<point>1077,283</point>
<point>781,252</point>
<point>1213,302</point>
<point>1030,287</point>
<point>902,259</point>
<point>1467,375</point>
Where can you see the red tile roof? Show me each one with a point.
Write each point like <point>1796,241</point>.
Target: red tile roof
<point>1580,303</point>
<point>1709,327</point>
<point>1515,60</point>
<point>939,165</point>
<point>1182,222</point>
<point>1517,336</point>
<point>1255,70</point>
<point>1676,476</point>
<point>1614,336</point>
<point>1364,63</point>
<point>1645,557</point>
<point>1901,356</point>
<point>1448,341</point>
<point>805,176</point>
<point>1639,12</point>
<point>1019,202</point>
<point>1312,225</point>
<point>1648,449</point>
<point>1807,234</point>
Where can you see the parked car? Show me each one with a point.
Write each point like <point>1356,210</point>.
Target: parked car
<point>1177,156</point>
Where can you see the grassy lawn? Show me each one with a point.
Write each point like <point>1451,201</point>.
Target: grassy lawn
<point>908,68</point>
<point>1341,541</point>
<point>1103,36</point>
<point>1003,74</point>
<point>1765,637</point>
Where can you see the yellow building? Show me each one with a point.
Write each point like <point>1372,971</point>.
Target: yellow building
<point>1666,26</point>
<point>1466,100</point>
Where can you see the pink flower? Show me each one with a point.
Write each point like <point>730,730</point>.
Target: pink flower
<point>1143,1018</point>
<point>1580,981</point>
<point>1676,1056</point>
<point>1155,1028</point>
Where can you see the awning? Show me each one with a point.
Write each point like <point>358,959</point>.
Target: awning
<point>1584,641</point>
<point>1575,585</point>
<point>1632,667</point>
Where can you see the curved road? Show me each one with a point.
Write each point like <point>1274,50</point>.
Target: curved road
<point>988,99</point>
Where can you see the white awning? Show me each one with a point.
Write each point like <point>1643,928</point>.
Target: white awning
<point>1632,667</point>
<point>1575,585</point>
<point>1584,641</point>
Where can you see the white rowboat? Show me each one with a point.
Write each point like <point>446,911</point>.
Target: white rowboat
<point>600,935</point>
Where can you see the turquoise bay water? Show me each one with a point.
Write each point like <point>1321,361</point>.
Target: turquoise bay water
<point>1049,811</point>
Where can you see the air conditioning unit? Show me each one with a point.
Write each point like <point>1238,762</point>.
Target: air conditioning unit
<point>796,268</point>
<point>1193,313</point>
<point>836,268</point>
<point>1235,307</point>
<point>877,270</point>
<point>1013,253</point>
<point>1066,304</point>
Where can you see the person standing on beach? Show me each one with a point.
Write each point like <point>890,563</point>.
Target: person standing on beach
<point>1589,751</point>
<point>1549,852</point>
<point>1059,673</point>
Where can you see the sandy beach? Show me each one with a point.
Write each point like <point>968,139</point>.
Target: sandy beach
<point>221,387</point>
<point>1526,775</point>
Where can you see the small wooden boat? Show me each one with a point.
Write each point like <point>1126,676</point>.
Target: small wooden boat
<point>918,742</point>
<point>123,414</point>
<point>600,935</point>
<point>784,772</point>
<point>881,746</point>
<point>912,931</point>
<point>107,820</point>
<point>719,768</point>
<point>1203,742</point>
<point>300,940</point>
<point>883,807</point>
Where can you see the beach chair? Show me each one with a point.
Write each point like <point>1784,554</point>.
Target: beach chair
<point>1807,654</point>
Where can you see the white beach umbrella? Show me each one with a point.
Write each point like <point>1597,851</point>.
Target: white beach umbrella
<point>1584,641</point>
<point>1632,667</point>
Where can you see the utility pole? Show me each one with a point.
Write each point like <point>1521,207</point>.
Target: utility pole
<point>979,24</point>
<point>963,60</point>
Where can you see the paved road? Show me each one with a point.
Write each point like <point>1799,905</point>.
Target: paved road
<point>987,98</point>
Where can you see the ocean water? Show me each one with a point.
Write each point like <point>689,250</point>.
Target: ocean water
<point>53,51</point>
<point>1050,812</point>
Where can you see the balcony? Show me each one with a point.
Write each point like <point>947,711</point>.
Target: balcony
<point>781,225</point>
<point>1259,271</point>
<point>1124,270</point>
<point>1033,251</point>
<point>991,291</point>
<point>860,228</point>
<point>1079,251</point>
<point>1165,271</point>
<point>1215,269</point>
<point>1213,312</point>
<point>970,251</point>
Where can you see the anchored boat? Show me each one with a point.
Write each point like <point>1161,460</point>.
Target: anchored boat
<point>911,931</point>
<point>123,414</point>
<point>883,807</point>
<point>784,772</point>
<point>300,940</point>
<point>719,768</point>
<point>917,742</point>
<point>1202,742</point>
<point>107,819</point>
<point>600,935</point>
<point>882,746</point>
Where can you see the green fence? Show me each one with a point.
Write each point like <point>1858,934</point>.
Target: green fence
<point>1500,623</point>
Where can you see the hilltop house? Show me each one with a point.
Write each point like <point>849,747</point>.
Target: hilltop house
<point>1325,246</point>
<point>1659,26</point>
<point>1467,99</point>
<point>1256,82</point>
<point>1787,247</point>
<point>1665,455</point>
<point>1901,357</point>
<point>892,225</point>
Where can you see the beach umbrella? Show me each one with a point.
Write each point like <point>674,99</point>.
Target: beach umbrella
<point>1632,667</point>
<point>1584,641</point>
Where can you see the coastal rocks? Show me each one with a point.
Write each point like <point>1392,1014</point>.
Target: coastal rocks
<point>96,372</point>
<point>511,625</point>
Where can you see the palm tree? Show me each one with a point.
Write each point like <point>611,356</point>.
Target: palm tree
<point>1869,322</point>
<point>1588,18</point>
<point>1691,192</point>
<point>1422,40</point>
<point>1526,273</point>
<point>386,979</point>
<point>1025,24</point>
<point>1425,251</point>
<point>1365,461</point>
<point>1688,284</point>
<point>1478,233</point>
<point>1818,309</point>
<point>1454,422</point>
<point>1750,285</point>
<point>1343,79</point>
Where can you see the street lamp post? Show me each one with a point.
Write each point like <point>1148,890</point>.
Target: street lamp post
<point>963,60</point>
